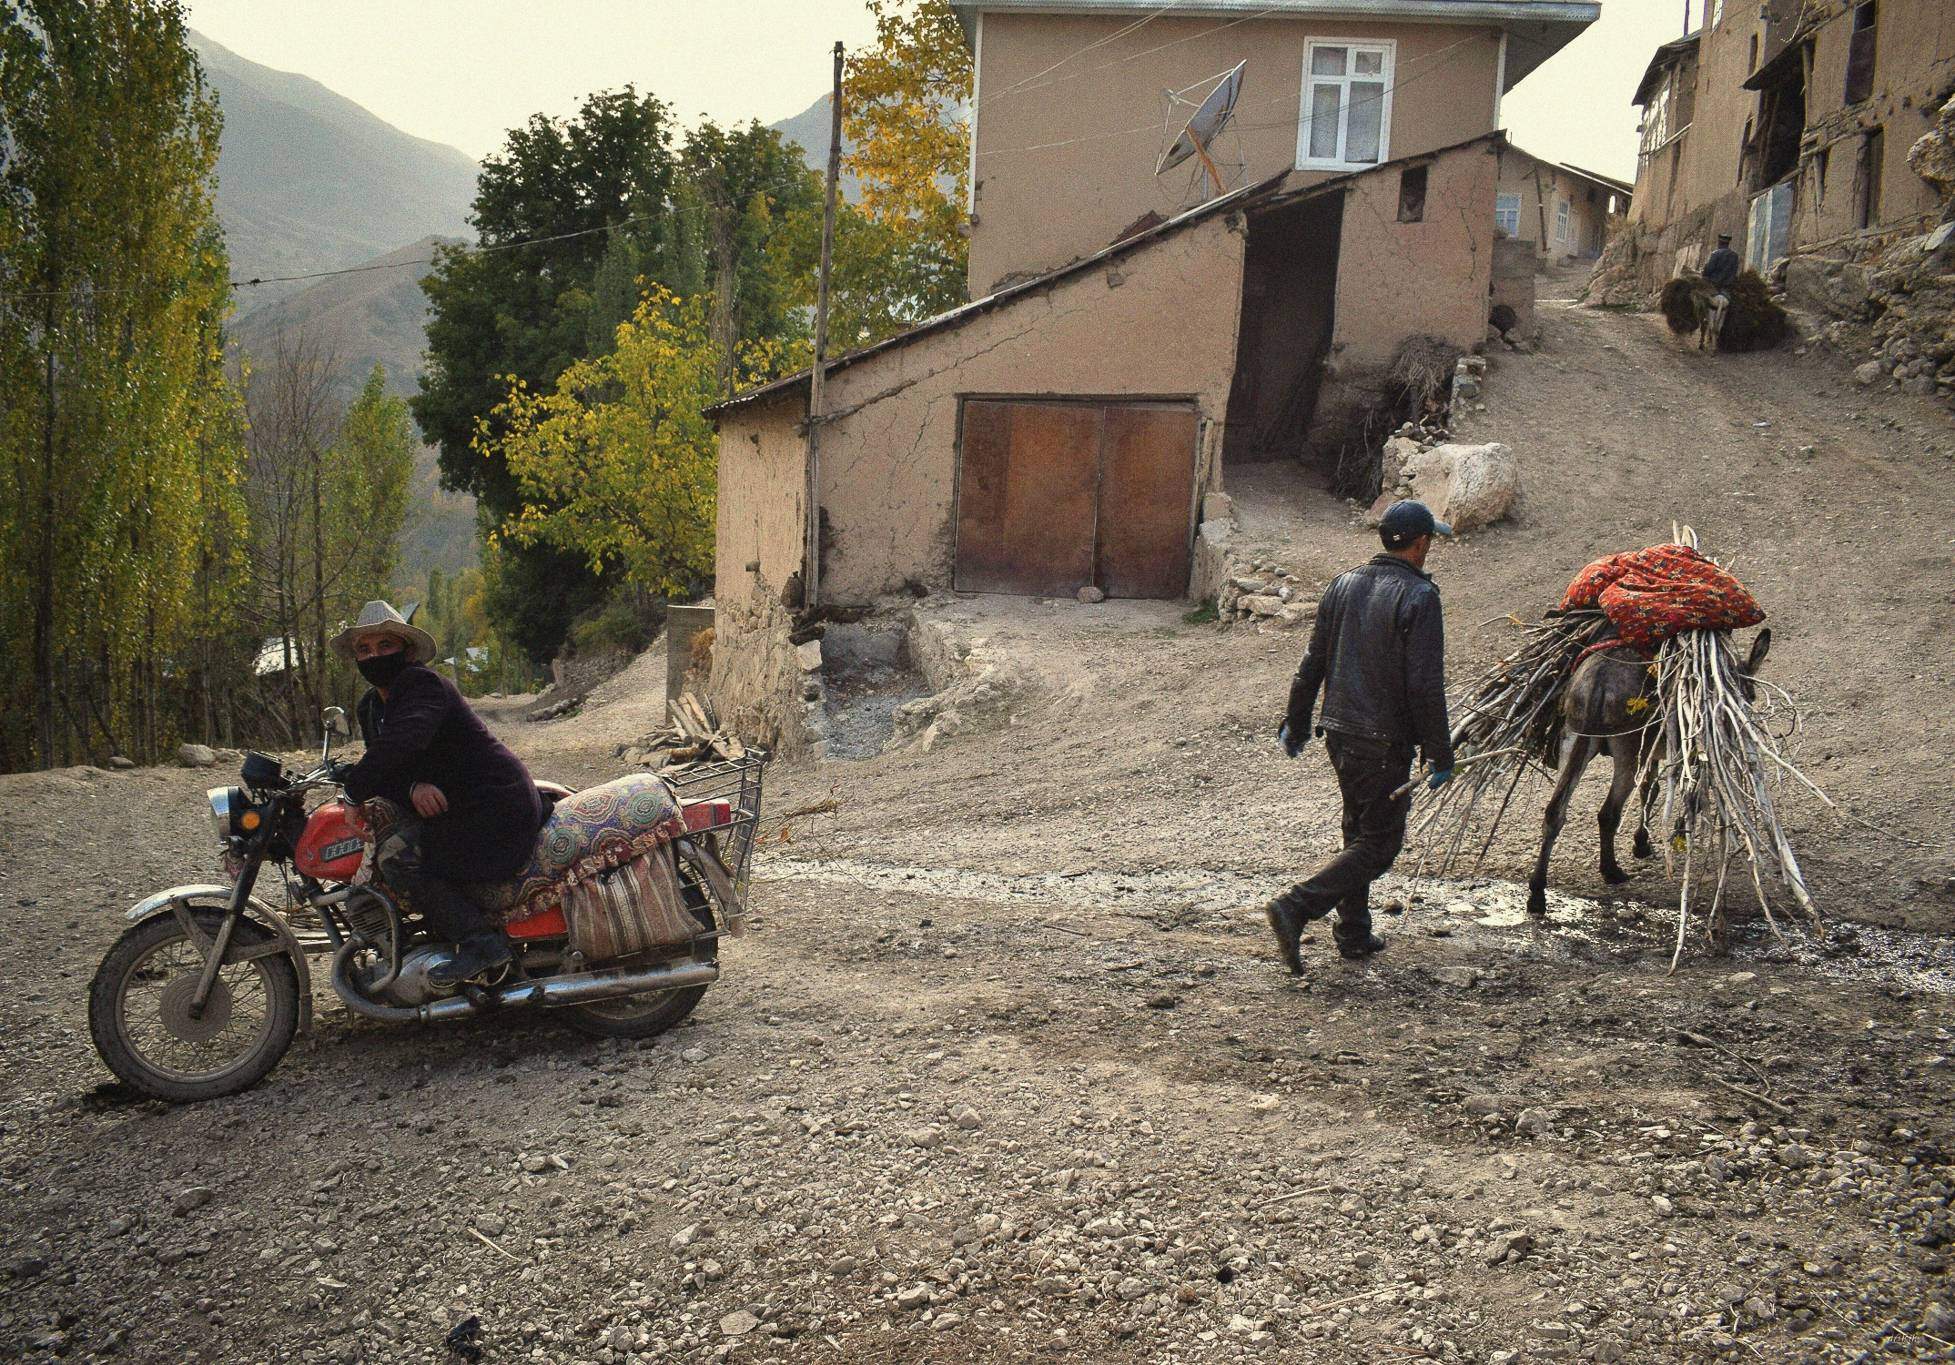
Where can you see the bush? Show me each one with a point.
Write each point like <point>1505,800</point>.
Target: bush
<point>620,626</point>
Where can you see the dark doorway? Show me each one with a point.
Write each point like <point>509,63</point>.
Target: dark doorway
<point>1289,294</point>
<point>1057,494</point>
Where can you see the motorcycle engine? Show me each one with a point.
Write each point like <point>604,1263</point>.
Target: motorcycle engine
<point>366,915</point>
<point>412,986</point>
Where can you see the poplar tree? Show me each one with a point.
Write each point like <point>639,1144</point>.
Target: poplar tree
<point>118,433</point>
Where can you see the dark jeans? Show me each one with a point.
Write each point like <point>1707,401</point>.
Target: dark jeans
<point>402,861</point>
<point>1368,772</point>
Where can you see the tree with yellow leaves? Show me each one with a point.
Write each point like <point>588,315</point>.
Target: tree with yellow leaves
<point>905,103</point>
<point>618,462</point>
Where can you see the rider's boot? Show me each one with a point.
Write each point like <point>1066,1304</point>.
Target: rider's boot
<point>478,957</point>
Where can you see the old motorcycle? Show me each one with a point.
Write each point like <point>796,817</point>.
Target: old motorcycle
<point>205,991</point>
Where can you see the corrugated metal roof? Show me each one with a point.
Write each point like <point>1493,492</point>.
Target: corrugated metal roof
<point>1265,191</point>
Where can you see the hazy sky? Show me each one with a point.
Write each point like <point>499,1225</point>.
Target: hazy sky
<point>465,71</point>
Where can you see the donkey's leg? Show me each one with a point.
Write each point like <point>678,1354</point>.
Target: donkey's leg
<point>1623,782</point>
<point>1574,758</point>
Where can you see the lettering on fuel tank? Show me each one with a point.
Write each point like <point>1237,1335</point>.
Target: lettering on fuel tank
<point>344,848</point>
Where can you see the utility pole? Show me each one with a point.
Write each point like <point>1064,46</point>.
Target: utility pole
<point>811,565</point>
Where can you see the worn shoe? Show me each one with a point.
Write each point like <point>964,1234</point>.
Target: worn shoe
<point>479,957</point>
<point>1287,924</point>
<point>1356,951</point>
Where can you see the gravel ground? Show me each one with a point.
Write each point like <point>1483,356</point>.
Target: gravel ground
<point>1007,1070</point>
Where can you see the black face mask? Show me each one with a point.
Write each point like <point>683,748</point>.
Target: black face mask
<point>382,669</point>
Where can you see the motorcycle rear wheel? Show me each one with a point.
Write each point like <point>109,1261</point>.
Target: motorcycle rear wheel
<point>138,1011</point>
<point>654,1012</point>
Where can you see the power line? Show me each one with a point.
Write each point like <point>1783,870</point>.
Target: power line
<point>1113,37</point>
<point>478,249</point>
<point>1151,127</point>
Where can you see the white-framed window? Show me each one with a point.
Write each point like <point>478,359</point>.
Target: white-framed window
<point>1507,213</point>
<point>1561,220</point>
<point>1346,121</point>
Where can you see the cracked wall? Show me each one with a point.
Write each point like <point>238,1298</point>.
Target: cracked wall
<point>1157,322</point>
<point>757,569</point>
<point>1397,280</point>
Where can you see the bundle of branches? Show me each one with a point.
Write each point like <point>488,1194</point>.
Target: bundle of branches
<point>1716,767</point>
<point>1510,721</point>
<point>693,736</point>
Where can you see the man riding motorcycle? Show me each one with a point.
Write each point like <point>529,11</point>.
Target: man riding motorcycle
<point>469,811</point>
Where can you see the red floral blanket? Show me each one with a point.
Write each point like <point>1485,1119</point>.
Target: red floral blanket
<point>1650,595</point>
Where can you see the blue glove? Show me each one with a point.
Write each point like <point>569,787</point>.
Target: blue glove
<point>1291,744</point>
<point>1439,779</point>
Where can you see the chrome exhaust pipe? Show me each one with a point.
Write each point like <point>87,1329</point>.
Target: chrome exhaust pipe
<point>604,984</point>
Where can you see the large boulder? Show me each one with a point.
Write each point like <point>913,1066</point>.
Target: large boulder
<point>196,756</point>
<point>1466,486</point>
<point>1932,157</point>
<point>1820,284</point>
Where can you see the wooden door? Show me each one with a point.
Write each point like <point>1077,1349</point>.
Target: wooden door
<point>1147,480</point>
<point>1025,497</point>
<point>1053,496</point>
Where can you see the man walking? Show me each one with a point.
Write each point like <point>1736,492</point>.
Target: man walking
<point>1378,655</point>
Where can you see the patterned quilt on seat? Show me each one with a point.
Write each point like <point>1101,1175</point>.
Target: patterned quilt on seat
<point>587,833</point>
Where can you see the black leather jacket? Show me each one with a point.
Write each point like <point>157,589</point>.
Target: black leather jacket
<point>1378,654</point>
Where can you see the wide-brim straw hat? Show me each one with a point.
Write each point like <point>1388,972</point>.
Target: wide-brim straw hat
<point>378,618</point>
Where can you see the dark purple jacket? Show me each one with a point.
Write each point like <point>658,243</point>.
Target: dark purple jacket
<point>425,731</point>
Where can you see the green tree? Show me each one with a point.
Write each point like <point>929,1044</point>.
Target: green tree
<point>529,312</point>
<point>118,434</point>
<point>744,187</point>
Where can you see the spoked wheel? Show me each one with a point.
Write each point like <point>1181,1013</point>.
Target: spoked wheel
<point>140,1010</point>
<point>652,1013</point>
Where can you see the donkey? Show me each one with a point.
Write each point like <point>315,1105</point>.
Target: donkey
<point>1610,707</point>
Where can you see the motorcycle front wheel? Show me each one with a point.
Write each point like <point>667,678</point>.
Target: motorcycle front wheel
<point>139,1010</point>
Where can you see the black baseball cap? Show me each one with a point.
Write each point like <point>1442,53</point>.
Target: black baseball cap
<point>1404,522</point>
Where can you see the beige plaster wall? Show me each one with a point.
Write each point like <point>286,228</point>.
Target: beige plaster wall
<point>757,564</point>
<point>1540,184</point>
<point>1434,277</point>
<point>1157,322</point>
<point>1039,205</point>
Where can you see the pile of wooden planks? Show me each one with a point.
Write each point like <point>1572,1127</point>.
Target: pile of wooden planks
<point>693,736</point>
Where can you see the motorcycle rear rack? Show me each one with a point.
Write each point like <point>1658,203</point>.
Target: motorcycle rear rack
<point>737,782</point>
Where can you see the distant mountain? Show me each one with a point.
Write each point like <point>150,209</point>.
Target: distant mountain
<point>810,130</point>
<point>308,180</point>
<point>379,317</point>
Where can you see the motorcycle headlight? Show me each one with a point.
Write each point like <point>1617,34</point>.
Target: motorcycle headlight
<point>225,805</point>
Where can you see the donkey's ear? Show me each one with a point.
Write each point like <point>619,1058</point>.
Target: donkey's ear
<point>1761,645</point>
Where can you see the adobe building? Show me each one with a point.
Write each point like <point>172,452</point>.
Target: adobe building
<point>1132,335</point>
<point>1071,109</point>
<point>1563,212</point>
<point>1792,126</point>
<point>1062,432</point>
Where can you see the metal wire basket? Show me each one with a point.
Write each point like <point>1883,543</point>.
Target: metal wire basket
<point>737,782</point>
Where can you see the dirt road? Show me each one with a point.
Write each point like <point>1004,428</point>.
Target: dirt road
<point>1007,1071</point>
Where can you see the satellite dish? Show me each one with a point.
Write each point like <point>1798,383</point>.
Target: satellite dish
<point>1198,134</point>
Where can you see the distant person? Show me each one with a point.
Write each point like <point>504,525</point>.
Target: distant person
<point>1378,654</point>
<point>1724,265</point>
<point>469,811</point>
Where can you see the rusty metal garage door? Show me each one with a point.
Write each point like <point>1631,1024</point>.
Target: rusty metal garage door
<point>1054,495</point>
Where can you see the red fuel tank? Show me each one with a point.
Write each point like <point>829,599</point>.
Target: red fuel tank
<point>333,844</point>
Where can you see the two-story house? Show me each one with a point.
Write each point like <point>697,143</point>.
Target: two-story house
<point>1071,100</point>
<point>1131,335</point>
